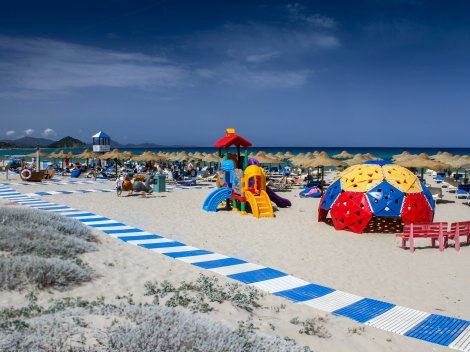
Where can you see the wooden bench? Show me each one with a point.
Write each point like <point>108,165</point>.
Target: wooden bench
<point>458,229</point>
<point>436,231</point>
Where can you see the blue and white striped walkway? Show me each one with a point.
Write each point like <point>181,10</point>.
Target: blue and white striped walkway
<point>51,193</point>
<point>434,328</point>
<point>55,182</point>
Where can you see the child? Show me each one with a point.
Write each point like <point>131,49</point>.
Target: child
<point>119,181</point>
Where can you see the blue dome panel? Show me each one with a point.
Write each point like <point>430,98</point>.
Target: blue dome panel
<point>428,196</point>
<point>378,162</point>
<point>385,199</point>
<point>333,191</point>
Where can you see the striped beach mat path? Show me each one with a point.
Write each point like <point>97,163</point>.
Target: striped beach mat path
<point>51,193</point>
<point>55,182</point>
<point>434,328</point>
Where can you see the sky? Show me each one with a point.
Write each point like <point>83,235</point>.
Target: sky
<point>369,73</point>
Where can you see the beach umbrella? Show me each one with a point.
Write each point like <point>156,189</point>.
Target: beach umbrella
<point>422,161</point>
<point>371,156</point>
<point>358,159</point>
<point>61,155</point>
<point>322,160</point>
<point>114,154</point>
<point>296,158</point>
<point>86,154</point>
<point>128,154</point>
<point>459,163</point>
<point>343,155</point>
<point>182,156</point>
<point>146,156</point>
<point>162,156</point>
<point>442,156</point>
<point>35,154</point>
<point>263,158</point>
<point>288,155</point>
<point>403,155</point>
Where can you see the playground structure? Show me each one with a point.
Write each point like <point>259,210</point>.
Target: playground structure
<point>239,183</point>
<point>377,189</point>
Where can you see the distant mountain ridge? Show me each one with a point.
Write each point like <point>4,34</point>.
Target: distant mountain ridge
<point>31,142</point>
<point>70,142</point>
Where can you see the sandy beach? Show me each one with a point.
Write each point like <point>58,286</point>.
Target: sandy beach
<point>370,265</point>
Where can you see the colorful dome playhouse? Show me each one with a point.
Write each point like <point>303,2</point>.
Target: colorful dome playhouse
<point>376,190</point>
<point>241,186</point>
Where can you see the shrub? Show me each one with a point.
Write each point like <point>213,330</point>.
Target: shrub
<point>20,271</point>
<point>42,241</point>
<point>132,327</point>
<point>31,218</point>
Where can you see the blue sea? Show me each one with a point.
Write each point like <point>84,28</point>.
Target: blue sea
<point>383,153</point>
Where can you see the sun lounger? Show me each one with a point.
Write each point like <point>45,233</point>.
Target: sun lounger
<point>190,182</point>
<point>436,231</point>
<point>462,191</point>
<point>436,193</point>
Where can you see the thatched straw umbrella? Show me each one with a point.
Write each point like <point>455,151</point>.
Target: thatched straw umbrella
<point>35,154</point>
<point>87,154</point>
<point>128,154</point>
<point>288,155</point>
<point>263,158</point>
<point>146,156</point>
<point>182,156</point>
<point>403,155</point>
<point>422,161</point>
<point>343,155</point>
<point>442,156</point>
<point>358,159</point>
<point>296,158</point>
<point>61,155</point>
<point>322,160</point>
<point>459,163</point>
<point>116,155</point>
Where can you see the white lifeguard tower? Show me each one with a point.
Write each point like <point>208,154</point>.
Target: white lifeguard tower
<point>101,142</point>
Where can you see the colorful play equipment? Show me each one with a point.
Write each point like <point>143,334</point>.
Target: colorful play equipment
<point>376,188</point>
<point>239,183</point>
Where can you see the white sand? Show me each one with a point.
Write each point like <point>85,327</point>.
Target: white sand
<point>370,265</point>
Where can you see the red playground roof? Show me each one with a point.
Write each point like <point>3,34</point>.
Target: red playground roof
<point>232,139</point>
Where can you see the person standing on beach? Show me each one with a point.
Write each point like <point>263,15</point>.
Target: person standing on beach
<point>119,181</point>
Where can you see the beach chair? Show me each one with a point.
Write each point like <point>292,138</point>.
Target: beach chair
<point>436,231</point>
<point>436,193</point>
<point>462,191</point>
<point>189,182</point>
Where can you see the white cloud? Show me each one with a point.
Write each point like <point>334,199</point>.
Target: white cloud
<point>38,64</point>
<point>299,13</point>
<point>258,58</point>
<point>29,131</point>
<point>10,133</point>
<point>235,74</point>
<point>49,132</point>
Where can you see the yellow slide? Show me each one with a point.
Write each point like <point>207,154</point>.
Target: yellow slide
<point>260,205</point>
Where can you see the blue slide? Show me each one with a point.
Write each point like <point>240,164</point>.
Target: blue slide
<point>215,198</point>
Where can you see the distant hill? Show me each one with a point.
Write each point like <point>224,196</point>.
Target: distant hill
<point>6,145</point>
<point>30,142</point>
<point>68,142</point>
